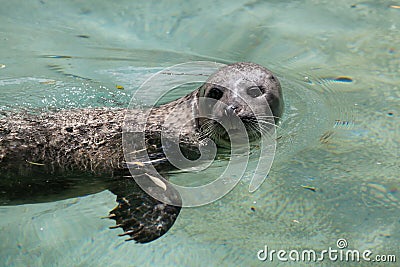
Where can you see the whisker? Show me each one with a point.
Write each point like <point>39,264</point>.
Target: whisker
<point>257,126</point>
<point>267,116</point>
<point>264,124</point>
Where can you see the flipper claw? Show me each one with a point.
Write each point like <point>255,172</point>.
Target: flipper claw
<point>142,217</point>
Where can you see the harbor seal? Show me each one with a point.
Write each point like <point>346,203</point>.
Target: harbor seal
<point>57,155</point>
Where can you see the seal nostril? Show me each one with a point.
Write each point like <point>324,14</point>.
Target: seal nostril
<point>229,110</point>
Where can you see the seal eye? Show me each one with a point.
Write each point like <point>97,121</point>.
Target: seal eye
<point>254,91</point>
<point>215,93</point>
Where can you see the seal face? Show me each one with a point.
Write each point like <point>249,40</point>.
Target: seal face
<point>246,90</point>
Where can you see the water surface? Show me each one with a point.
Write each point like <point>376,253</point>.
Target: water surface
<point>336,172</point>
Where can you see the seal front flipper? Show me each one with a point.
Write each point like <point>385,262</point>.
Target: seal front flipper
<point>142,217</point>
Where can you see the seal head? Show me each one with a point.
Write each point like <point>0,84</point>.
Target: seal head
<point>245,91</point>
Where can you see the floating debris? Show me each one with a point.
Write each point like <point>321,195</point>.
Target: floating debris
<point>338,79</point>
<point>309,188</point>
<point>48,82</point>
<point>2,66</point>
<point>295,221</point>
<point>385,235</point>
<point>394,6</point>
<point>56,56</point>
<point>252,208</point>
<point>120,87</point>
<point>342,123</point>
<point>343,79</point>
<point>307,80</point>
<point>390,114</point>
<point>324,139</point>
<point>83,36</point>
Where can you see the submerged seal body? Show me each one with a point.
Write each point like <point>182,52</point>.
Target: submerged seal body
<point>55,155</point>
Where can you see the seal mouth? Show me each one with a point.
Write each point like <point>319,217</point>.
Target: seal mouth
<point>255,127</point>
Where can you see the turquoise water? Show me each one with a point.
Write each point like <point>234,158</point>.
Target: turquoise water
<point>338,63</point>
